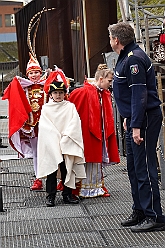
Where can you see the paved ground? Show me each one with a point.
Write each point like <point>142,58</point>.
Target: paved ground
<point>27,222</point>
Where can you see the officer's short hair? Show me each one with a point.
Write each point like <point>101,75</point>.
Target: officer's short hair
<point>123,31</point>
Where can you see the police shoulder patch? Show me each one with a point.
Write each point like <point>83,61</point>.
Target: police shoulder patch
<point>130,54</point>
<point>134,69</point>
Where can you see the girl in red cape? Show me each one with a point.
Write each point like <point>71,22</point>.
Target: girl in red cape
<point>94,106</point>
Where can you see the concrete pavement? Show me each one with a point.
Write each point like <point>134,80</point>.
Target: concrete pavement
<point>27,222</point>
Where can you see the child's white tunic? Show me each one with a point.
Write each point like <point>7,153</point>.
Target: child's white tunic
<point>60,134</point>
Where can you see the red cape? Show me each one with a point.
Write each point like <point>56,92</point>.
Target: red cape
<point>19,107</point>
<point>87,103</point>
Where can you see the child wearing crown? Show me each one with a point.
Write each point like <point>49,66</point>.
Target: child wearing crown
<point>26,97</point>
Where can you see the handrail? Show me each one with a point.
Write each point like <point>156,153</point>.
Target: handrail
<point>142,8</point>
<point>148,6</point>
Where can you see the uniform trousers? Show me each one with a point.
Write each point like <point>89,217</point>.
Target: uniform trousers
<point>142,166</point>
<point>51,181</point>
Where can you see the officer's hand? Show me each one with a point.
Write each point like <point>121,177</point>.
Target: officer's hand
<point>124,124</point>
<point>136,136</point>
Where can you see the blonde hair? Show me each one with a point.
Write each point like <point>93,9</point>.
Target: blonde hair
<point>102,71</point>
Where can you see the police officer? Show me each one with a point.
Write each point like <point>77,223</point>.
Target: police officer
<point>134,89</point>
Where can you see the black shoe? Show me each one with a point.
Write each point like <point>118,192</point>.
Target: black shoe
<point>70,200</point>
<point>148,225</point>
<point>160,218</point>
<point>50,201</point>
<point>136,217</point>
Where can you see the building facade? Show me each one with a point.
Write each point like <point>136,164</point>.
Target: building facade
<point>7,20</point>
<point>73,36</point>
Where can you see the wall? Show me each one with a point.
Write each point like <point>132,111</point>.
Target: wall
<point>58,40</point>
<point>8,7</point>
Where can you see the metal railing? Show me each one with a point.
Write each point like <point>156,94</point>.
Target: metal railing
<point>8,66</point>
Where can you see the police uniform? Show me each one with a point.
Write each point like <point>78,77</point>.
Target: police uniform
<point>135,92</point>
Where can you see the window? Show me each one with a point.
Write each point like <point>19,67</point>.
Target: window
<point>9,20</point>
<point>0,20</point>
<point>16,9</point>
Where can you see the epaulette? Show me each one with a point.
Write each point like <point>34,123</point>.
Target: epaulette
<point>130,54</point>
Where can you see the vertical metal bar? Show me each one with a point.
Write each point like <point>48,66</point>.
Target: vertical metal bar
<point>2,82</point>
<point>1,200</point>
<point>147,35</point>
<point>122,10</point>
<point>161,157</point>
<point>127,10</point>
<point>137,22</point>
<point>86,40</point>
<point>162,134</point>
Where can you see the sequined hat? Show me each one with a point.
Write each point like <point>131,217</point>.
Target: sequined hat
<point>33,65</point>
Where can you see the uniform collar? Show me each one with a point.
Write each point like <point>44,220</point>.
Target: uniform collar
<point>129,47</point>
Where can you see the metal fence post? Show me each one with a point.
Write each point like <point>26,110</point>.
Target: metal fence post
<point>147,35</point>
<point>127,10</point>
<point>137,22</point>
<point>162,133</point>
<point>2,82</point>
<point>1,200</point>
<point>122,10</point>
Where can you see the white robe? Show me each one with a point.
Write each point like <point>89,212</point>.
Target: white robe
<point>60,134</point>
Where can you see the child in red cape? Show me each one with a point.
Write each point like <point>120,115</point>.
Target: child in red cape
<point>26,97</point>
<point>94,106</point>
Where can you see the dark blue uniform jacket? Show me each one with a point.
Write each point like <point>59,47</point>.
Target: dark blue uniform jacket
<point>134,84</point>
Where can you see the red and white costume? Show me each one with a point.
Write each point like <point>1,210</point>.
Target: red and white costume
<point>94,107</point>
<point>25,102</point>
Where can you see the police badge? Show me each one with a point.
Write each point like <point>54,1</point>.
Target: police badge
<point>134,69</point>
